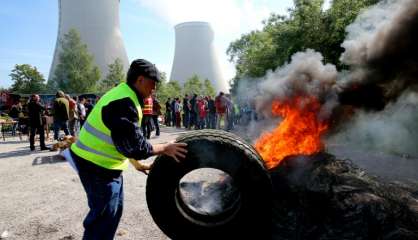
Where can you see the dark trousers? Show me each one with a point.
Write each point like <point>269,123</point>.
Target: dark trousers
<point>211,123</point>
<point>41,133</point>
<point>146,126</point>
<point>178,120</point>
<point>105,200</point>
<point>173,118</point>
<point>72,126</point>
<point>186,119</point>
<point>156,125</point>
<point>58,125</point>
<point>167,120</point>
<point>193,120</point>
<point>81,123</point>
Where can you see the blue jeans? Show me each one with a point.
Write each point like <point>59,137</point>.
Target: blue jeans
<point>58,125</point>
<point>105,200</point>
<point>15,126</point>
<point>211,121</point>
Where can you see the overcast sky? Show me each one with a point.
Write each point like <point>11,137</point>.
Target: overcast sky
<point>28,29</point>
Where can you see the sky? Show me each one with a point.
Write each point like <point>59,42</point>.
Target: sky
<point>28,29</point>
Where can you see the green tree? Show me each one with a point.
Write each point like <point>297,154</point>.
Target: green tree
<point>193,85</point>
<point>208,89</point>
<point>165,90</point>
<point>76,71</point>
<point>115,76</point>
<point>27,79</point>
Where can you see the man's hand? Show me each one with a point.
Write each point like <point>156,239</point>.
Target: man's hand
<point>141,167</point>
<point>177,151</point>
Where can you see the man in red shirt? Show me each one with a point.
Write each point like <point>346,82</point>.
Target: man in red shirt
<point>146,117</point>
<point>220,110</point>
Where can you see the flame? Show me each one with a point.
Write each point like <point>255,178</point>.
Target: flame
<point>298,134</point>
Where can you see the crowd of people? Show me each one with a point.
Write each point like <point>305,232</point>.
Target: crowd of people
<point>205,112</point>
<point>192,112</point>
<point>65,113</point>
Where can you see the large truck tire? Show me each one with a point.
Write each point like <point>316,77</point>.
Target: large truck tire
<point>250,216</point>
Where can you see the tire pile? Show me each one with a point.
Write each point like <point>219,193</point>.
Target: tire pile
<point>306,197</point>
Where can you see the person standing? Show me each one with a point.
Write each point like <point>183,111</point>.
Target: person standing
<point>156,111</point>
<point>220,110</point>
<point>193,112</point>
<point>72,114</point>
<point>177,108</point>
<point>82,116</point>
<point>211,113</point>
<point>61,114</point>
<point>173,112</point>
<point>146,117</point>
<point>111,135</point>
<point>35,111</point>
<point>89,107</point>
<point>186,110</point>
<point>201,110</point>
<point>15,113</point>
<point>168,114</point>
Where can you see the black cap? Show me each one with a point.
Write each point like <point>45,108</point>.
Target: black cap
<point>145,68</point>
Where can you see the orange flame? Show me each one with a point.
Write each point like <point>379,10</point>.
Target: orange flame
<point>298,134</point>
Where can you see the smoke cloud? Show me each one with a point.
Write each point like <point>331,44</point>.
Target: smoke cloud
<point>381,52</point>
<point>384,143</point>
<point>393,130</point>
<point>381,48</point>
<point>305,75</point>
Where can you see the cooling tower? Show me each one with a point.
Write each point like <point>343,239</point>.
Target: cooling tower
<point>97,21</point>
<point>195,54</point>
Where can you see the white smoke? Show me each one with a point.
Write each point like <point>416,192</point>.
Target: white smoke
<point>305,75</point>
<point>393,130</point>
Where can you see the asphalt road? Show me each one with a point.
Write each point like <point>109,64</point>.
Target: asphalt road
<point>41,197</point>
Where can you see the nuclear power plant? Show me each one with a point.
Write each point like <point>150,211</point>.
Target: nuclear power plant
<point>97,21</point>
<point>195,54</point>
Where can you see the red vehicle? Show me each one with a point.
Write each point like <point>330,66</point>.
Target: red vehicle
<point>7,99</point>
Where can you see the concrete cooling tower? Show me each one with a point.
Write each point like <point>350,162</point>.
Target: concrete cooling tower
<point>97,21</point>
<point>195,54</point>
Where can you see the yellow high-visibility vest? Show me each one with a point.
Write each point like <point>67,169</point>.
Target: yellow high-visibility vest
<point>95,142</point>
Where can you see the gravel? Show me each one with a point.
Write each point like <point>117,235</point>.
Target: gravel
<point>42,197</point>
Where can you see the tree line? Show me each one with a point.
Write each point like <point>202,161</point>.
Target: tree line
<point>307,25</point>
<point>77,73</point>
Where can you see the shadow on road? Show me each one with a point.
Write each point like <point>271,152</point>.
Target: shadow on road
<point>16,153</point>
<point>13,142</point>
<point>48,160</point>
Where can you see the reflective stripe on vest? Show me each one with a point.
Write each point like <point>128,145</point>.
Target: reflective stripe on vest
<point>95,143</point>
<point>147,106</point>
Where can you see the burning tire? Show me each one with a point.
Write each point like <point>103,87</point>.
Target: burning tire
<point>241,207</point>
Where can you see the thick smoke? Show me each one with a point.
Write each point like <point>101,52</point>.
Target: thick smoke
<point>393,130</point>
<point>381,48</point>
<point>208,191</point>
<point>386,142</point>
<point>305,75</point>
<point>381,52</point>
